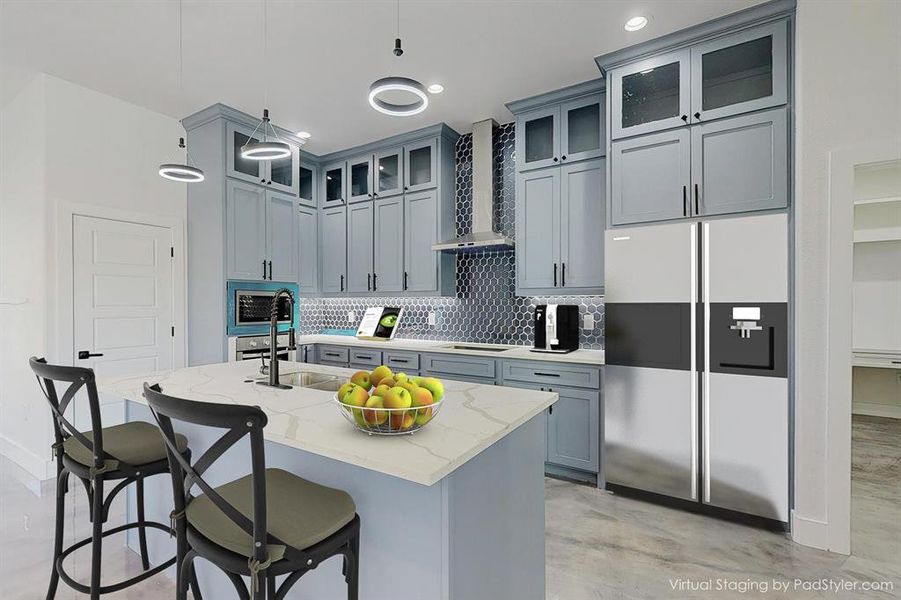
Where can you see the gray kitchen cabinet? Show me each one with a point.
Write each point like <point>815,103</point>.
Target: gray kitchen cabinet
<point>582,219</point>
<point>334,184</point>
<point>279,175</point>
<point>338,356</point>
<point>388,271</point>
<point>740,73</point>
<point>359,175</point>
<point>308,250</point>
<point>421,165</point>
<point>305,353</point>
<point>420,264</point>
<point>573,429</point>
<point>538,138</point>
<point>650,177</point>
<point>245,220</point>
<point>360,218</point>
<point>388,172</point>
<point>651,94</point>
<point>282,235</point>
<point>308,184</point>
<point>537,218</point>
<point>582,129</point>
<point>333,249</point>
<point>740,164</point>
<point>458,367</point>
<point>364,358</point>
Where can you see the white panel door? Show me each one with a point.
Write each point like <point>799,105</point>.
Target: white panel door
<point>123,296</point>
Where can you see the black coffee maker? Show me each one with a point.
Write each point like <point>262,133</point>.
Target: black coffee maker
<point>556,328</point>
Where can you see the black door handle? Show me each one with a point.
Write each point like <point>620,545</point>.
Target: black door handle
<point>85,354</point>
<point>342,283</point>
<point>684,201</point>
<point>374,285</point>
<point>563,276</point>
<point>368,282</point>
<point>264,269</point>
<point>405,280</point>
<point>697,115</point>
<point>270,270</point>
<point>555,274</point>
<point>697,210</point>
<point>685,118</point>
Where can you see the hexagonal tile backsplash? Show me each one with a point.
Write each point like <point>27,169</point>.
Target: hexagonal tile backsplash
<point>485,308</point>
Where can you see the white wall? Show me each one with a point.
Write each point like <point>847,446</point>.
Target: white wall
<point>848,92</point>
<point>89,149</point>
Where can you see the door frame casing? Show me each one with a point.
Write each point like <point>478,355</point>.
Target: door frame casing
<point>62,347</point>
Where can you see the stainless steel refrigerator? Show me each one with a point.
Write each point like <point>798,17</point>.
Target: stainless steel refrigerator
<point>696,397</point>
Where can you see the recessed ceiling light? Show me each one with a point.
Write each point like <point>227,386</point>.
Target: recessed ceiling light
<point>436,88</point>
<point>636,23</point>
<point>304,135</point>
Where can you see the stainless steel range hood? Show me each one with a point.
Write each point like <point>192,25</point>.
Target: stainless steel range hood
<point>483,236</point>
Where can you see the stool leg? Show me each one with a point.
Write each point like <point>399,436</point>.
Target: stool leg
<point>97,538</point>
<point>270,587</point>
<point>353,579</point>
<point>195,585</point>
<point>142,531</point>
<point>61,484</point>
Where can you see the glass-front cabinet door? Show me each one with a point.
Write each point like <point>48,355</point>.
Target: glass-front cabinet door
<point>740,73</point>
<point>251,171</point>
<point>538,138</point>
<point>582,129</point>
<point>388,167</point>
<point>306,184</point>
<point>333,188</point>
<point>651,95</point>
<point>360,179</point>
<point>420,165</point>
<point>282,175</point>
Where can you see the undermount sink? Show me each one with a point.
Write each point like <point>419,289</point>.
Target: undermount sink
<point>308,379</point>
<point>471,347</point>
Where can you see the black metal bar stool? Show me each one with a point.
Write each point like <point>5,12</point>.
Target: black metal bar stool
<point>264,525</point>
<point>126,453</point>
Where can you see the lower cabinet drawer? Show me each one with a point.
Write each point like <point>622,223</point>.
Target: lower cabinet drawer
<point>465,366</point>
<point>552,373</point>
<point>365,358</point>
<point>334,354</point>
<point>402,361</point>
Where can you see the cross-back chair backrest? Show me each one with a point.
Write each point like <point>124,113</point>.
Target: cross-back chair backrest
<point>76,378</point>
<point>238,421</point>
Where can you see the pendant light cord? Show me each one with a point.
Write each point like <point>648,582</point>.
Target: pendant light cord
<point>181,84</point>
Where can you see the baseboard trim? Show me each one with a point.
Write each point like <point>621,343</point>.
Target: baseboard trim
<point>810,532</point>
<point>39,468</point>
<point>873,409</point>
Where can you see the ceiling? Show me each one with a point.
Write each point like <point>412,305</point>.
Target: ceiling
<point>324,54</point>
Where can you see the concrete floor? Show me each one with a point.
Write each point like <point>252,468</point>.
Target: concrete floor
<point>598,545</point>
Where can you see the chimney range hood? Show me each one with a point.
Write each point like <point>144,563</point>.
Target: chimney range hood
<point>483,237</point>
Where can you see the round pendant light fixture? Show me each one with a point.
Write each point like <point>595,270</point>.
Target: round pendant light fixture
<point>398,86</point>
<point>265,149</point>
<point>187,172</point>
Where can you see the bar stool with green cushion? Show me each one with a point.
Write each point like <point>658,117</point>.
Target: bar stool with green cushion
<point>264,525</point>
<point>126,453</point>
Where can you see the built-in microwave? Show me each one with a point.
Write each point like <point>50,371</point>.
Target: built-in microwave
<point>249,305</point>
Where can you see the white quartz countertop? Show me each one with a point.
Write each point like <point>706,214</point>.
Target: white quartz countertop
<point>472,417</point>
<point>589,357</point>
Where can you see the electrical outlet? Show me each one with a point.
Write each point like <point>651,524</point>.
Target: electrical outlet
<point>351,316</point>
<point>432,319</point>
<point>588,322</point>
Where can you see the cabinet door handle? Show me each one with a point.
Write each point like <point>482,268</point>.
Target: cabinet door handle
<point>405,280</point>
<point>697,210</point>
<point>264,269</point>
<point>262,181</point>
<point>563,276</point>
<point>537,374</point>
<point>563,157</point>
<point>86,354</point>
<point>270,270</point>
<point>697,115</point>
<point>368,282</point>
<point>374,285</point>
<point>342,283</point>
<point>550,409</point>
<point>685,118</point>
<point>684,200</point>
<point>555,159</point>
<point>555,274</point>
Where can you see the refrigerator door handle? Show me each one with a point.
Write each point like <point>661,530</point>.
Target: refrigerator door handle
<point>694,358</point>
<point>705,384</point>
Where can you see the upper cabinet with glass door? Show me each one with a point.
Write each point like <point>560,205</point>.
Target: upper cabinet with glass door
<point>307,183</point>
<point>279,175</point>
<point>739,73</point>
<point>650,95</point>
<point>333,191</point>
<point>421,165</point>
<point>360,179</point>
<point>388,172</point>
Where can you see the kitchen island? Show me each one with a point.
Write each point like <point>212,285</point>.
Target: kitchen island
<point>455,510</point>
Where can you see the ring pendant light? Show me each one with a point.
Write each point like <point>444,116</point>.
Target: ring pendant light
<point>265,149</point>
<point>398,84</point>
<point>187,172</point>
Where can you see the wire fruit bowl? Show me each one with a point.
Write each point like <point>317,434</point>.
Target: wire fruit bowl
<point>388,421</point>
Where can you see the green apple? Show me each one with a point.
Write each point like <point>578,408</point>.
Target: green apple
<point>372,416</point>
<point>342,391</point>
<point>356,396</point>
<point>435,386</point>
<point>379,373</point>
<point>401,377</point>
<point>398,397</point>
